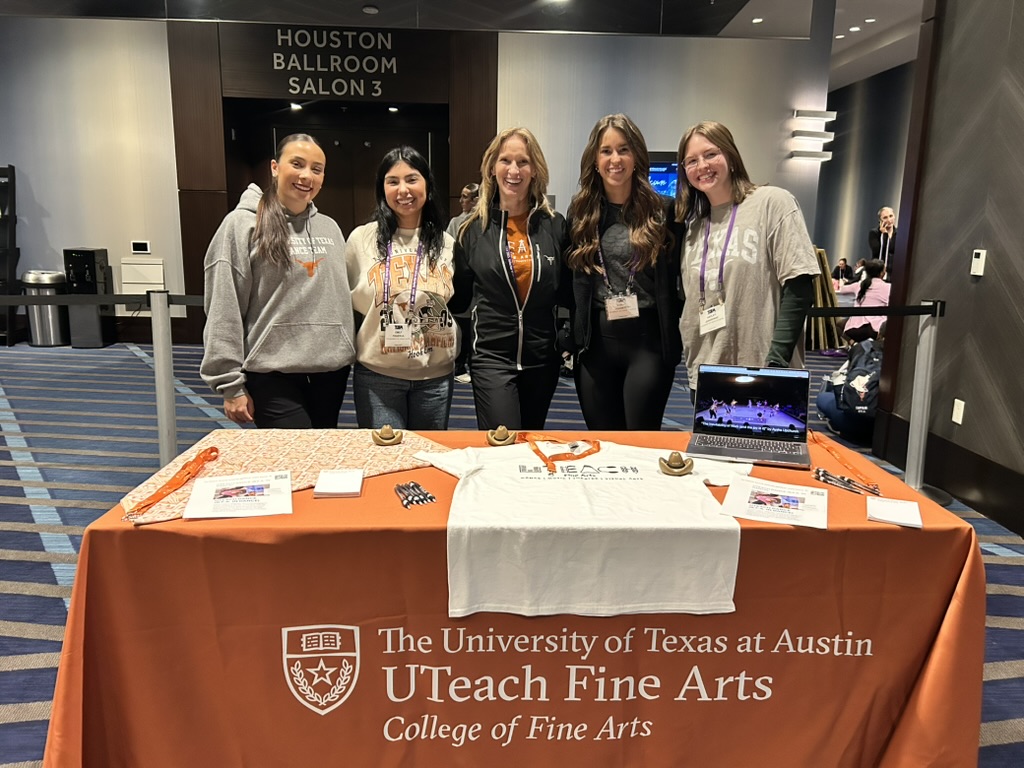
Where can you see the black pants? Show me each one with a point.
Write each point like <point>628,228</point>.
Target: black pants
<point>622,380</point>
<point>515,399</point>
<point>297,400</point>
<point>860,333</point>
<point>466,331</point>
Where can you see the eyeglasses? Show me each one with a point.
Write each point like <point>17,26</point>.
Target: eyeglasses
<point>709,157</point>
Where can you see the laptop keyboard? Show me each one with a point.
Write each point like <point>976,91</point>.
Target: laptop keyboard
<point>750,444</point>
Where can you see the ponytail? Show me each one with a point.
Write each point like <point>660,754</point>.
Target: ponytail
<point>270,238</point>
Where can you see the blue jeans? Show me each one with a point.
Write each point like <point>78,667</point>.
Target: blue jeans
<point>403,404</point>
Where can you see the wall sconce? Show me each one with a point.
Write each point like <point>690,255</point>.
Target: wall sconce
<point>824,137</point>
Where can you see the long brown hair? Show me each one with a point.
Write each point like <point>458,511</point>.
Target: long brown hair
<point>642,213</point>
<point>538,179</point>
<point>691,202</point>
<point>271,237</point>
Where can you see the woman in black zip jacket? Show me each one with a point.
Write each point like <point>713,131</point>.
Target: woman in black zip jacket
<point>509,268</point>
<point>626,284</point>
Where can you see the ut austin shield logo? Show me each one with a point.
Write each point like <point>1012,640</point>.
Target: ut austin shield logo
<point>321,664</point>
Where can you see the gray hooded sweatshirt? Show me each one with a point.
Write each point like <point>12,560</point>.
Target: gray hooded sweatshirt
<point>261,317</point>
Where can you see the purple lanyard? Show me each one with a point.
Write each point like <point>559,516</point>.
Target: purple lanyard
<point>721,261</point>
<point>415,277</point>
<point>604,273</point>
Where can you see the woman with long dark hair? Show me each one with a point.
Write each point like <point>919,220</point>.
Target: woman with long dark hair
<point>872,291</point>
<point>400,269</point>
<point>748,264</point>
<point>278,333</point>
<point>625,282</point>
<point>509,267</point>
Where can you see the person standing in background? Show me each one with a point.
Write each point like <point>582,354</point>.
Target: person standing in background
<point>509,267</point>
<point>748,264</point>
<point>625,284</point>
<point>400,269</point>
<point>279,332</point>
<point>470,194</point>
<point>467,199</point>
<point>882,241</point>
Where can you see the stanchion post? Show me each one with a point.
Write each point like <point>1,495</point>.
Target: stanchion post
<point>920,406</point>
<point>163,367</point>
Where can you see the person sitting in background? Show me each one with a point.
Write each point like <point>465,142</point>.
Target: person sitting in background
<point>843,272</point>
<point>861,372</point>
<point>858,272</point>
<point>872,292</point>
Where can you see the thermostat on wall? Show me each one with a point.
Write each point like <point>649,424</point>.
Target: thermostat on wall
<point>140,246</point>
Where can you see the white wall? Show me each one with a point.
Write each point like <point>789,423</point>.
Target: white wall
<point>86,120</point>
<point>558,86</point>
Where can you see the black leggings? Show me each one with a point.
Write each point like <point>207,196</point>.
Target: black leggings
<point>297,400</point>
<point>860,333</point>
<point>515,399</point>
<point>622,380</point>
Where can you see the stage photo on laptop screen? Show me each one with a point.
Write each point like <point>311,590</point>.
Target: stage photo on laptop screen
<point>752,402</point>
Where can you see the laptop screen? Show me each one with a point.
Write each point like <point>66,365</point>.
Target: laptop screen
<point>768,403</point>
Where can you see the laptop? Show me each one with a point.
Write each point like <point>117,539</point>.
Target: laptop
<point>752,414</point>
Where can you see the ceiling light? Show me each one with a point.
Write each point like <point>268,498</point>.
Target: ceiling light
<point>295,107</point>
<point>855,29</point>
<point>758,20</point>
<point>371,10</point>
<point>869,21</point>
<point>840,37</point>
<point>392,109</point>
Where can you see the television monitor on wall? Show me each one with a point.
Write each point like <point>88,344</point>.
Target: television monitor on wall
<point>663,173</point>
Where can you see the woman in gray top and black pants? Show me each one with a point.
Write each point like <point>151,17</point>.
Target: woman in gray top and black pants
<point>625,283</point>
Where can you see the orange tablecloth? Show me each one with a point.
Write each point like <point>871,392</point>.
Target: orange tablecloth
<point>322,638</point>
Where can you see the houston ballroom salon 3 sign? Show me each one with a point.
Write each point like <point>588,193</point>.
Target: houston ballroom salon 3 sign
<point>306,63</point>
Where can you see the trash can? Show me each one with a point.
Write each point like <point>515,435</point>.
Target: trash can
<point>48,325</point>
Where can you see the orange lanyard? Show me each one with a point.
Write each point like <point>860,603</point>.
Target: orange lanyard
<point>549,461</point>
<point>178,479</point>
<point>835,455</point>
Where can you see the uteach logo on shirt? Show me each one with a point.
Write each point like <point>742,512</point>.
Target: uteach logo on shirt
<point>321,664</point>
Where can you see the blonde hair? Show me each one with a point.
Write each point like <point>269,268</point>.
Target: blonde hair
<point>538,179</point>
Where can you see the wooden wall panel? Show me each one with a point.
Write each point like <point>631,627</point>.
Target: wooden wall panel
<point>194,56</point>
<point>473,105</point>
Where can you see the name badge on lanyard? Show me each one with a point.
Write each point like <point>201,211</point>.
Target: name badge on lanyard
<point>398,328</point>
<point>398,336</point>
<point>713,316</point>
<point>621,307</point>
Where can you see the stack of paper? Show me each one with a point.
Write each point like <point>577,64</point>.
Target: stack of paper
<point>248,495</point>
<point>338,483</point>
<point>895,511</point>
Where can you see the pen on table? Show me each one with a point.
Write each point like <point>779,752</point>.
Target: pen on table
<point>827,477</point>
<point>873,489</point>
<point>400,491</point>
<point>428,497</point>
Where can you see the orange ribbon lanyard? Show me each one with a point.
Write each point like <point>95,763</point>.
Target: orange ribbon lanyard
<point>857,475</point>
<point>549,461</point>
<point>191,468</point>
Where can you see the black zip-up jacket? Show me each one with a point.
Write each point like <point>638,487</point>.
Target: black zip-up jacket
<point>506,334</point>
<point>667,294</point>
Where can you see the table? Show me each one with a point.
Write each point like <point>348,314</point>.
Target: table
<point>322,638</point>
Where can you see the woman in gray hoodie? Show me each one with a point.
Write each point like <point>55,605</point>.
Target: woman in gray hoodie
<point>279,323</point>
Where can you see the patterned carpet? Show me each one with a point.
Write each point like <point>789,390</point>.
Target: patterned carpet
<point>78,430</point>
